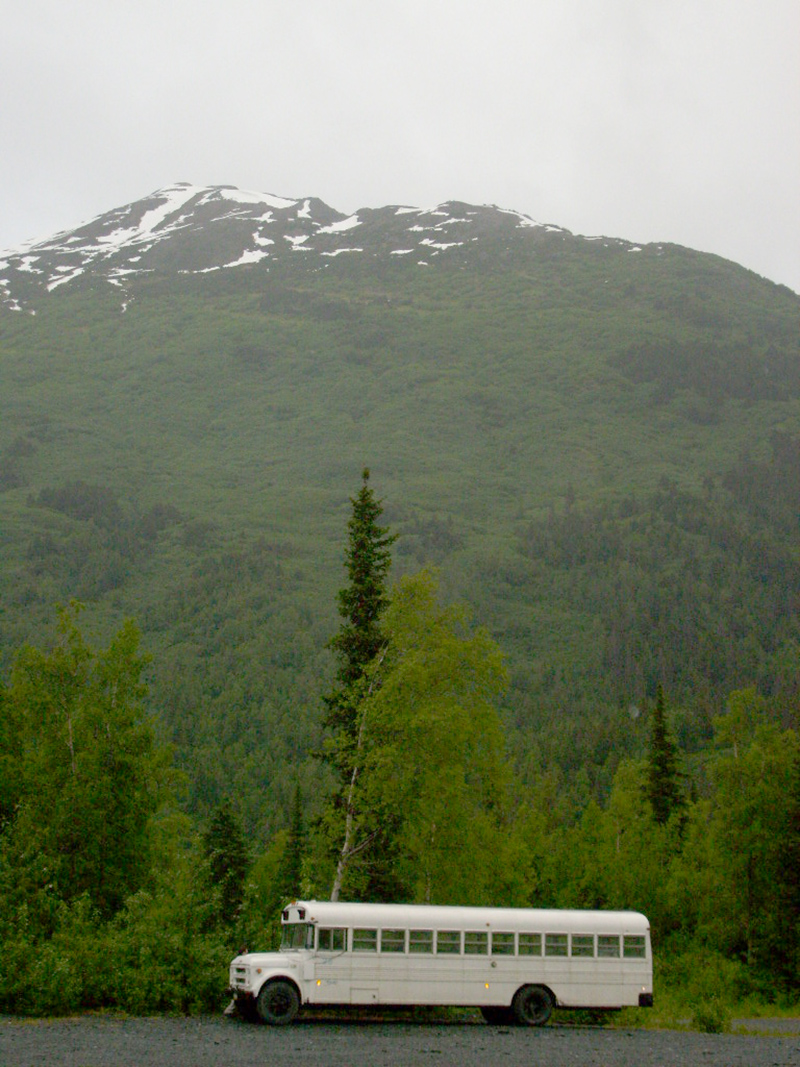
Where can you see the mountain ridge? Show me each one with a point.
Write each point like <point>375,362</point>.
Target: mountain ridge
<point>193,229</point>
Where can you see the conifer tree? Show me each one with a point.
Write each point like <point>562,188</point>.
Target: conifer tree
<point>367,560</point>
<point>359,643</point>
<point>292,865</point>
<point>663,776</point>
<point>226,854</point>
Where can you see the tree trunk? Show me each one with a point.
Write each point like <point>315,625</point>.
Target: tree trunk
<point>348,850</point>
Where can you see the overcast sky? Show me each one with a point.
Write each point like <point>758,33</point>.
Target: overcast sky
<point>651,120</point>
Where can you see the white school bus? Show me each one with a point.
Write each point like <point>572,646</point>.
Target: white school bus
<point>515,964</point>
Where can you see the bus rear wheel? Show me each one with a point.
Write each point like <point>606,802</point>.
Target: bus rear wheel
<point>532,1005</point>
<point>278,1003</point>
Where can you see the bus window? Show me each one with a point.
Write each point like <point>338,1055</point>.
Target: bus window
<point>448,942</point>
<point>332,939</point>
<point>530,944</point>
<point>476,943</point>
<point>365,940</point>
<point>502,944</point>
<point>633,946</point>
<point>583,946</point>
<point>393,940</point>
<point>420,940</point>
<point>556,944</point>
<point>607,946</point>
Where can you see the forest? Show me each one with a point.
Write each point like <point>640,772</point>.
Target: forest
<point>114,895</point>
<point>581,685</point>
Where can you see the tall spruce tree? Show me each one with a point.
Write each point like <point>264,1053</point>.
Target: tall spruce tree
<point>367,560</point>
<point>359,643</point>
<point>291,869</point>
<point>663,775</point>
<point>228,863</point>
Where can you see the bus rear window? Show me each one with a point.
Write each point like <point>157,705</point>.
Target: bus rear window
<point>634,946</point>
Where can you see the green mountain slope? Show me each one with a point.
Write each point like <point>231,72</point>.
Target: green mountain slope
<point>597,445</point>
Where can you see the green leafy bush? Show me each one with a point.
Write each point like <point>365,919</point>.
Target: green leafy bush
<point>711,1017</point>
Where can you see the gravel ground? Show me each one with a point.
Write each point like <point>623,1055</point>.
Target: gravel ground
<point>97,1041</point>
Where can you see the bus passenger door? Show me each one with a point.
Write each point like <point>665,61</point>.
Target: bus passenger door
<point>332,967</point>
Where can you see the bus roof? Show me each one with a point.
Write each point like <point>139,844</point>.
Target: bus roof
<point>424,916</point>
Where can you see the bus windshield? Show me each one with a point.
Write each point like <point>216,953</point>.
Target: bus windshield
<point>297,935</point>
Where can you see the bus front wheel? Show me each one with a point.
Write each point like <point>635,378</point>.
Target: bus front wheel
<point>533,1005</point>
<point>278,1003</point>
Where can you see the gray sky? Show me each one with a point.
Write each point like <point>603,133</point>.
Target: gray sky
<point>651,120</point>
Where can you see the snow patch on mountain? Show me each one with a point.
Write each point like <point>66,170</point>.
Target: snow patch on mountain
<point>242,196</point>
<point>524,220</point>
<point>251,255</point>
<point>340,251</point>
<point>340,227</point>
<point>442,246</point>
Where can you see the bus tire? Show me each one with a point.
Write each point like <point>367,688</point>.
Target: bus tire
<point>278,1002</point>
<point>532,1005</point>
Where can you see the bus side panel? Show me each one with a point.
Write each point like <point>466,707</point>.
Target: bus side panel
<point>474,981</point>
<point>410,979</point>
<point>328,978</point>
<point>606,984</point>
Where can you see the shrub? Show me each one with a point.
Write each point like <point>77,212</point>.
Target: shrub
<point>711,1016</point>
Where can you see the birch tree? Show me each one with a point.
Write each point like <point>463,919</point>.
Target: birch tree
<point>431,762</point>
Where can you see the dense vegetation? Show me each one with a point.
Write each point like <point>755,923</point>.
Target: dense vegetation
<point>110,897</point>
<point>597,450</point>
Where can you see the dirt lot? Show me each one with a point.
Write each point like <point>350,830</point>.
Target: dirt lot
<point>97,1041</point>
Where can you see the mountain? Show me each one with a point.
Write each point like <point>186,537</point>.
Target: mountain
<point>597,443</point>
<point>190,229</point>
